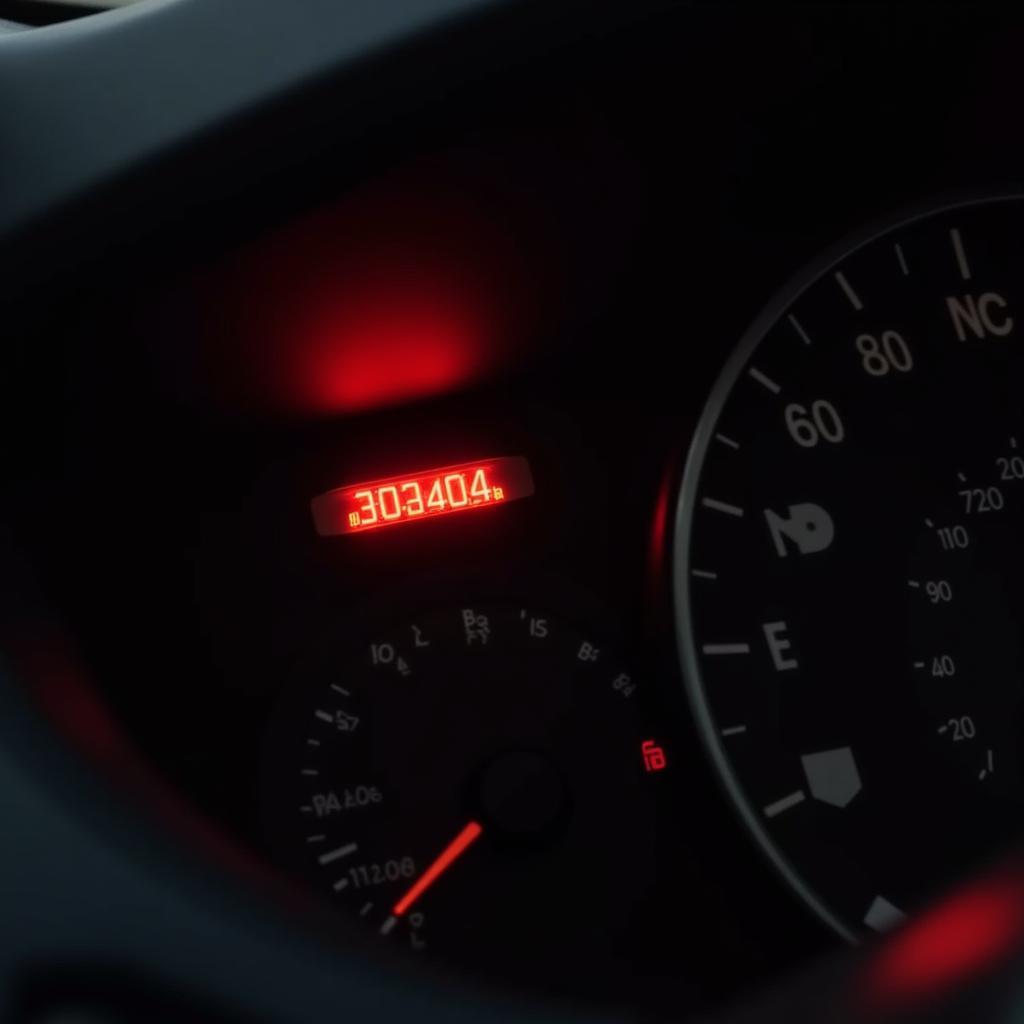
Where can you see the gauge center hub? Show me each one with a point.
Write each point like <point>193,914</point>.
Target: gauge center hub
<point>523,794</point>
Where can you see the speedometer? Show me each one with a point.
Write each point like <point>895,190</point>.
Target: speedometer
<point>849,565</point>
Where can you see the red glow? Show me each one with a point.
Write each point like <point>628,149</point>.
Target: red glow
<point>412,287</point>
<point>451,853</point>
<point>952,945</point>
<point>407,340</point>
<point>661,527</point>
<point>73,706</point>
<point>654,756</point>
<point>424,495</point>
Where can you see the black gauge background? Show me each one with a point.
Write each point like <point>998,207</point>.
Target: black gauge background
<point>849,609</point>
<point>188,622</point>
<point>427,737</point>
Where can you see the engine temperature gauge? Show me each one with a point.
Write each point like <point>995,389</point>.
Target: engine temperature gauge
<point>466,775</point>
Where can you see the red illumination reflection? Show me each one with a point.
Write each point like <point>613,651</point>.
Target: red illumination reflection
<point>414,496</point>
<point>72,705</point>
<point>953,945</point>
<point>412,287</point>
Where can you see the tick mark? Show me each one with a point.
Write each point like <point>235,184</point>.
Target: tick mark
<point>764,379</point>
<point>722,506</point>
<point>848,289</point>
<point>785,803</point>
<point>961,256</point>
<point>726,649</point>
<point>342,851</point>
<point>799,330</point>
<point>727,441</point>
<point>902,259</point>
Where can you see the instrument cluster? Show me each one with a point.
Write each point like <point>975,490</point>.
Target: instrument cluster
<point>576,546</point>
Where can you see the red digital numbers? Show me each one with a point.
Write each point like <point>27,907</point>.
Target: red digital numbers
<point>415,496</point>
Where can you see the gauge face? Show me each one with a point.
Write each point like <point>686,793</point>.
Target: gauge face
<point>472,783</point>
<point>849,566</point>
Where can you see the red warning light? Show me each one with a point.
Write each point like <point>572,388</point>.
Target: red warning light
<point>424,495</point>
<point>654,756</point>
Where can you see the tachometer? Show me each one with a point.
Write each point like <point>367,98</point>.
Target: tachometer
<point>849,563</point>
<point>471,782</point>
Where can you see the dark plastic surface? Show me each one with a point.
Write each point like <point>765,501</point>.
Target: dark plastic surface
<point>85,100</point>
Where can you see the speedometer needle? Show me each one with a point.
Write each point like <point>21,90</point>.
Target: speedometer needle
<point>451,853</point>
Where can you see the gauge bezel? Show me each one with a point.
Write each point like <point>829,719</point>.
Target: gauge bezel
<point>693,684</point>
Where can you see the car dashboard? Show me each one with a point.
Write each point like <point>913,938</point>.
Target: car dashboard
<point>534,511</point>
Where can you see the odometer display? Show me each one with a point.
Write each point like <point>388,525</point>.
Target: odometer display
<point>423,495</point>
<point>849,565</point>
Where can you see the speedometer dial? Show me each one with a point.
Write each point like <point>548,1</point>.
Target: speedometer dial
<point>849,568</point>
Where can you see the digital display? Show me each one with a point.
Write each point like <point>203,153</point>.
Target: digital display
<point>423,495</point>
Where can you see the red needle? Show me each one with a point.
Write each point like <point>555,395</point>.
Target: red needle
<point>449,855</point>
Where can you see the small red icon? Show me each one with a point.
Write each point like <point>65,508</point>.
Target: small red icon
<point>654,756</point>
